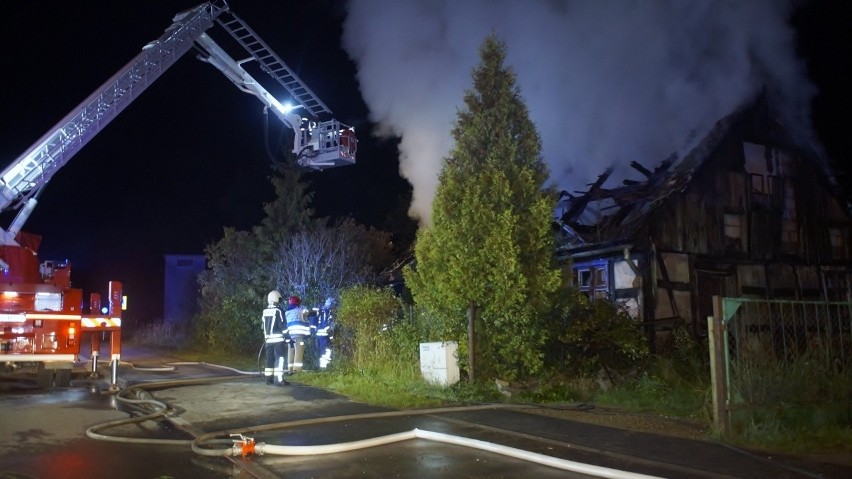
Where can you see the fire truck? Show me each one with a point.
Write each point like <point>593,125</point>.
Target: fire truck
<point>42,317</point>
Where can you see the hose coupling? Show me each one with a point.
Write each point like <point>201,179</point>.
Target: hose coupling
<point>243,445</point>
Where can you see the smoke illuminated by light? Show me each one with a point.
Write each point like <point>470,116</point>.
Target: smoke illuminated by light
<point>606,82</point>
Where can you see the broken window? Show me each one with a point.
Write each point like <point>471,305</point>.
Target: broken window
<point>733,226</point>
<point>789,225</point>
<point>593,278</point>
<point>763,164</point>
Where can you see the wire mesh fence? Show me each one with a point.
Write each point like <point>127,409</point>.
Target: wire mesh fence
<point>787,363</point>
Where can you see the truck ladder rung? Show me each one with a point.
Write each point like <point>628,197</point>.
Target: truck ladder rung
<point>271,63</point>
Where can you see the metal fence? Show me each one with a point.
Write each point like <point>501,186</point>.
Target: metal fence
<point>786,362</point>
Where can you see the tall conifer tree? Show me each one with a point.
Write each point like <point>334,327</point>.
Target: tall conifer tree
<point>485,266</point>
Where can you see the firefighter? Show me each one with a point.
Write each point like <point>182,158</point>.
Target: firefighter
<point>298,328</point>
<point>324,328</point>
<point>274,329</point>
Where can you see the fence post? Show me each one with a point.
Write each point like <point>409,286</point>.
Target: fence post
<point>718,372</point>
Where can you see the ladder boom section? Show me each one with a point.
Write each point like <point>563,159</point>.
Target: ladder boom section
<point>317,145</point>
<point>30,171</point>
<point>223,62</point>
<point>271,63</point>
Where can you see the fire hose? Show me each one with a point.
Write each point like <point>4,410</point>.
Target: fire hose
<point>236,443</point>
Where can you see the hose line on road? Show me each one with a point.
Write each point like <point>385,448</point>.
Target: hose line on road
<point>168,367</point>
<point>160,409</point>
<point>243,446</point>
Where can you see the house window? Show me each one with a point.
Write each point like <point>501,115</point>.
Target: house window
<point>759,184</point>
<point>764,165</point>
<point>733,226</point>
<point>789,225</point>
<point>584,278</point>
<point>593,279</point>
<point>836,285</point>
<point>733,232</point>
<point>789,236</point>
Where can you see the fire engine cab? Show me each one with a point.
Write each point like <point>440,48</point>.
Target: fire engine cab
<point>42,317</point>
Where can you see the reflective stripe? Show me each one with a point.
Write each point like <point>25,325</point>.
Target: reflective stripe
<point>52,316</point>
<point>299,330</point>
<point>101,322</point>
<point>274,338</point>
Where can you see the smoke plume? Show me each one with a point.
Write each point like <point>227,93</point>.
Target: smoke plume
<point>606,82</point>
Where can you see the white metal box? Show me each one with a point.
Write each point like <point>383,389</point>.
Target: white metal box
<point>439,362</point>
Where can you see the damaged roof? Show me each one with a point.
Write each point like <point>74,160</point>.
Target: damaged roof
<point>604,215</point>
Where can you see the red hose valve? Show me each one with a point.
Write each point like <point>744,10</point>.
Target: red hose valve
<point>246,444</point>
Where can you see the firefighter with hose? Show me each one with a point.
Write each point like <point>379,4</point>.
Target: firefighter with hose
<point>274,329</point>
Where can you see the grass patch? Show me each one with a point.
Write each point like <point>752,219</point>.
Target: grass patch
<point>397,389</point>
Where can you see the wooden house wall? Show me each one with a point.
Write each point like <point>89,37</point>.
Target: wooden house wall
<point>695,259</point>
<point>724,235</point>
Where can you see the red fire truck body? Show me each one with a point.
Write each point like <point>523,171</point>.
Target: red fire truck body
<point>42,318</point>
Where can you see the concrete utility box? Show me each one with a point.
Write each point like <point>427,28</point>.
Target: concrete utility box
<point>439,362</point>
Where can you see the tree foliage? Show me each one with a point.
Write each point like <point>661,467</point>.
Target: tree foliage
<point>289,251</point>
<point>490,248</point>
<point>319,261</point>
<point>290,211</point>
<point>231,287</point>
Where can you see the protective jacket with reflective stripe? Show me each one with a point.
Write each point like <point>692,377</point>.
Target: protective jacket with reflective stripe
<point>324,322</point>
<point>297,324</point>
<point>273,324</point>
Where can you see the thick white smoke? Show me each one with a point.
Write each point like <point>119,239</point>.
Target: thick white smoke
<point>606,82</point>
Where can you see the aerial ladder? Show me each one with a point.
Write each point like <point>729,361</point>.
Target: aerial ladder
<point>41,316</point>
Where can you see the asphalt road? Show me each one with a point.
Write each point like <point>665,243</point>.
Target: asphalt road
<point>44,435</point>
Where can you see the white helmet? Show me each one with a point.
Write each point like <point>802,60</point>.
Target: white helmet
<point>329,302</point>
<point>274,297</point>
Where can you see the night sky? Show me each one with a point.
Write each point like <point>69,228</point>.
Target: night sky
<point>188,156</point>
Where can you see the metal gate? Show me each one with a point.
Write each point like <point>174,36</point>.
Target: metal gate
<point>786,363</point>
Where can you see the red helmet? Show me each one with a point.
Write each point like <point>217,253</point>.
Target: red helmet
<point>295,301</point>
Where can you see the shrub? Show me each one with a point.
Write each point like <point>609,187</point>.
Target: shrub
<point>600,337</point>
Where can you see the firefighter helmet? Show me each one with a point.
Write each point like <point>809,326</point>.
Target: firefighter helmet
<point>274,297</point>
<point>329,302</point>
<point>295,301</point>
